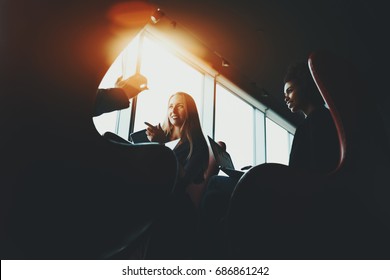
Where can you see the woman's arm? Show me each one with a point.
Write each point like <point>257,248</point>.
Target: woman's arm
<point>155,133</point>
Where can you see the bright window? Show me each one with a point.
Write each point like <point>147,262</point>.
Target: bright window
<point>234,125</point>
<point>278,143</point>
<point>167,74</point>
<point>251,137</point>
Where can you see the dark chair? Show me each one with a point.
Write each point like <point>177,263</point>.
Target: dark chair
<point>97,207</point>
<point>278,212</point>
<point>135,246</point>
<point>115,138</point>
<point>194,191</point>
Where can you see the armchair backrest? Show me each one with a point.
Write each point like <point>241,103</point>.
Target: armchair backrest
<point>339,84</point>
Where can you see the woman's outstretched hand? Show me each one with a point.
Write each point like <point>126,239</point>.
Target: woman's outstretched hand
<point>155,133</point>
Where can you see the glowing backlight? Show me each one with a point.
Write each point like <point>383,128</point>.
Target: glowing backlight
<point>166,75</point>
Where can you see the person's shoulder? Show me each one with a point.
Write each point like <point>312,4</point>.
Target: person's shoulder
<point>322,120</point>
<point>320,114</point>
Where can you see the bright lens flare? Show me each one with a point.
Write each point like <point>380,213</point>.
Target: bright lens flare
<point>127,20</point>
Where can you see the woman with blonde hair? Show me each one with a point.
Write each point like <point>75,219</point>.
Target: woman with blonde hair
<point>176,231</point>
<point>182,122</point>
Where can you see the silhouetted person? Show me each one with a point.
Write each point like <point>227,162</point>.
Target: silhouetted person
<point>315,148</point>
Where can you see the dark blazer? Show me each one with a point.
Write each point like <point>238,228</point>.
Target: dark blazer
<point>195,166</point>
<point>315,146</point>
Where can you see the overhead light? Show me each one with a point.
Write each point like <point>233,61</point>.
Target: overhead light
<point>225,63</point>
<point>157,15</point>
<point>264,93</point>
<point>261,92</point>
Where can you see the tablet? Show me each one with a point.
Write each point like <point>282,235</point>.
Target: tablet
<point>139,137</point>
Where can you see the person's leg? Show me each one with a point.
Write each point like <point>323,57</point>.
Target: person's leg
<point>215,199</point>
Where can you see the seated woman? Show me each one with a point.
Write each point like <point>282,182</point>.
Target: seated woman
<point>174,236</point>
<point>182,122</point>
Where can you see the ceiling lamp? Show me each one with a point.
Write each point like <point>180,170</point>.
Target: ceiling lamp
<point>157,15</point>
<point>225,63</point>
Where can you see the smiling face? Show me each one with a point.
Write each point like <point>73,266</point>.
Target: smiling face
<point>293,97</point>
<point>177,112</point>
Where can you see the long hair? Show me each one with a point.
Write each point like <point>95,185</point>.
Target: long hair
<point>190,129</point>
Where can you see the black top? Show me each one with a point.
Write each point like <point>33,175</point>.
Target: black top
<point>195,166</point>
<point>315,146</point>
